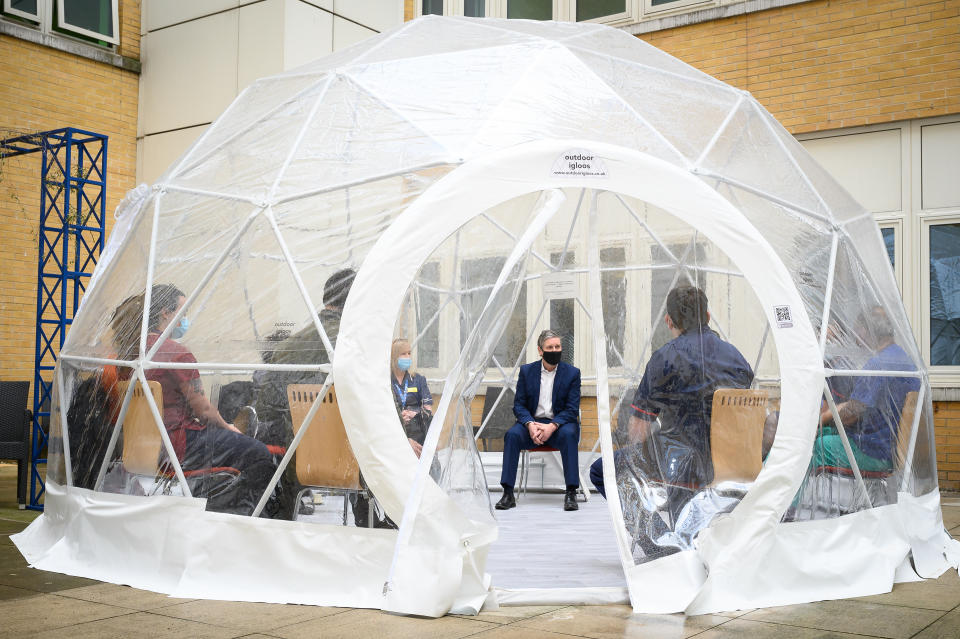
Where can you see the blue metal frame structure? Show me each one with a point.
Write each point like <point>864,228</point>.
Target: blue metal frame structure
<point>73,190</point>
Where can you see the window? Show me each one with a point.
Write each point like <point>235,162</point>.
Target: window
<point>651,6</point>
<point>97,21</point>
<point>428,325</point>
<point>477,277</point>
<point>892,232</point>
<point>610,11</point>
<point>530,9</point>
<point>944,294</point>
<point>562,313</point>
<point>28,9</point>
<point>475,8</point>
<point>890,242</point>
<point>613,290</point>
<point>593,9</point>
<point>662,281</point>
<point>431,8</point>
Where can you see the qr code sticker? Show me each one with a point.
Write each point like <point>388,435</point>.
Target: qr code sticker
<point>784,317</point>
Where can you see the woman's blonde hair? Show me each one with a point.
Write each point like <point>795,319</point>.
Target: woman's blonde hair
<point>396,348</point>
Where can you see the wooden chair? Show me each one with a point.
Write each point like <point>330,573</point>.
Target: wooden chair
<point>142,446</point>
<point>736,445</point>
<point>736,434</point>
<point>324,458</point>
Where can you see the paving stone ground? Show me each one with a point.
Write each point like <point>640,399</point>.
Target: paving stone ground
<point>35,603</point>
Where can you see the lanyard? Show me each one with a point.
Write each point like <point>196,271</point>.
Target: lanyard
<point>402,395</point>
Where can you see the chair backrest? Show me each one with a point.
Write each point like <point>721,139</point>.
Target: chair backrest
<point>906,425</point>
<point>141,437</point>
<point>13,407</point>
<point>324,456</point>
<point>502,418</point>
<point>736,433</point>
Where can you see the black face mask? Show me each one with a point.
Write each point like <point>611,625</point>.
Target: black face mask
<point>552,357</point>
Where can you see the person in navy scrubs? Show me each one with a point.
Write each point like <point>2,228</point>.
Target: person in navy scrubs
<point>669,427</point>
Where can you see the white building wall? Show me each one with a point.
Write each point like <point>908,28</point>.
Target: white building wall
<point>198,56</point>
<point>908,175</point>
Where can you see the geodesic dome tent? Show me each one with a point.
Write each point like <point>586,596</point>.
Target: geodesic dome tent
<point>486,179</point>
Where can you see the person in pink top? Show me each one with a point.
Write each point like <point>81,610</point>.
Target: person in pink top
<point>200,436</point>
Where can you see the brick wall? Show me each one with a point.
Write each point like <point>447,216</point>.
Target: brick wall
<point>946,419</point>
<point>833,63</point>
<point>43,89</point>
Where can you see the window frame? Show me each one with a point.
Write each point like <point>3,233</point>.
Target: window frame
<point>115,20</point>
<point>447,8</point>
<point>38,18</point>
<point>677,6</point>
<point>44,23</point>
<point>563,10</point>
<point>946,375</point>
<point>940,376</point>
<point>895,223</point>
<point>631,13</point>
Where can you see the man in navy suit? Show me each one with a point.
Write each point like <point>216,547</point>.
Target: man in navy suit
<point>547,406</point>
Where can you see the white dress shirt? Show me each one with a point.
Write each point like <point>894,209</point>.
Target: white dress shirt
<point>545,405</point>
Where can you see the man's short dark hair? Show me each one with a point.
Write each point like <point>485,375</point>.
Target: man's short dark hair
<point>337,287</point>
<point>687,308</point>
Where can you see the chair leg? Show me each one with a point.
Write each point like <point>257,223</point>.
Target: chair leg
<point>524,459</point>
<point>371,511</point>
<point>346,500</point>
<point>23,471</point>
<point>296,504</point>
<point>584,486</point>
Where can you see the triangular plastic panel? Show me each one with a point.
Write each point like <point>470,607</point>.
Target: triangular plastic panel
<point>430,106</point>
<point>618,44</point>
<point>252,295</point>
<point>343,58</point>
<point>253,109</point>
<point>350,220</point>
<point>354,136</point>
<point>752,154</point>
<point>248,165</point>
<point>422,39</point>
<point>91,334</point>
<point>545,29</point>
<point>843,206</point>
<point>655,95</point>
<point>801,243</point>
<point>196,229</point>
<point>567,101</point>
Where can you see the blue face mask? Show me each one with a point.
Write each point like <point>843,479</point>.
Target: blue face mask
<point>403,363</point>
<point>181,329</point>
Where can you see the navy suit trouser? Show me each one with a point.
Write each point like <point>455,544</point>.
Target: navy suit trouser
<point>214,447</point>
<point>566,439</point>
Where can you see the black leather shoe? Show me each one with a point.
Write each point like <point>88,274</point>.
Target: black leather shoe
<point>570,500</point>
<point>507,501</point>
